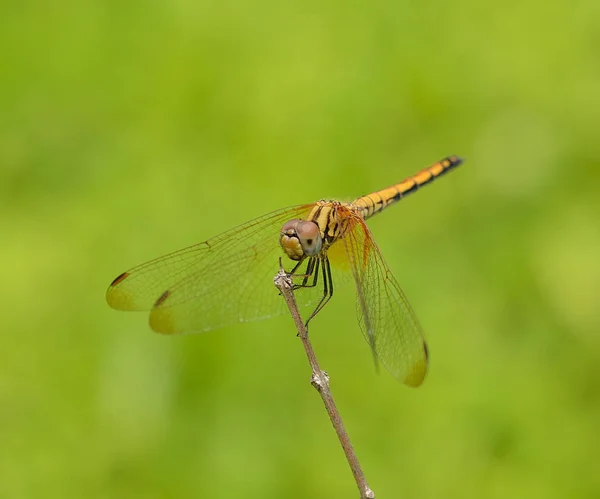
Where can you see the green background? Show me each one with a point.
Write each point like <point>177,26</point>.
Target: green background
<point>131,129</point>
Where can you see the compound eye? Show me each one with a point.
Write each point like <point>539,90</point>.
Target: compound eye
<point>310,237</point>
<point>289,227</point>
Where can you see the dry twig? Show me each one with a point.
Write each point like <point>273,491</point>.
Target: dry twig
<point>320,380</point>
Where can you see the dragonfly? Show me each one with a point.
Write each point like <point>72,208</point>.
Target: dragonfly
<point>229,278</point>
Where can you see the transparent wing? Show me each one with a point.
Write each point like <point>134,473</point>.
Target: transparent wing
<point>224,280</point>
<point>387,320</point>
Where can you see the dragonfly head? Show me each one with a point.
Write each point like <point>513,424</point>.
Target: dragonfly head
<point>300,238</point>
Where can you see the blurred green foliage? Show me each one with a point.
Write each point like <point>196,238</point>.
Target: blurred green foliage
<point>131,129</point>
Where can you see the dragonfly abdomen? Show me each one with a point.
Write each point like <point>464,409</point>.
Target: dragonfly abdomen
<point>375,202</point>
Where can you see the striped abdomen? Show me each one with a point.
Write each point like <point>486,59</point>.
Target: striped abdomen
<point>373,203</point>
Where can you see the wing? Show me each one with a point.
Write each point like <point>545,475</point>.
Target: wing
<point>387,320</point>
<point>222,281</point>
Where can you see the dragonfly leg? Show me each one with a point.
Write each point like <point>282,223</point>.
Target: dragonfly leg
<point>312,270</point>
<point>293,271</point>
<point>327,289</point>
<point>309,272</point>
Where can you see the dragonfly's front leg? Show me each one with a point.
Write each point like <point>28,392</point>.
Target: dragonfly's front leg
<point>327,289</point>
<point>312,270</point>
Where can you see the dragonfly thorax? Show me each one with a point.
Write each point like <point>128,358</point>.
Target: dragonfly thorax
<point>300,238</point>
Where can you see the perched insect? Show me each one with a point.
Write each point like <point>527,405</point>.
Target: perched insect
<point>228,279</point>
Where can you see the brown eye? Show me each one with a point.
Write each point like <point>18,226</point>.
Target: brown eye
<point>290,226</point>
<point>310,237</point>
